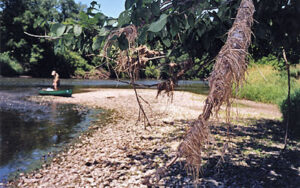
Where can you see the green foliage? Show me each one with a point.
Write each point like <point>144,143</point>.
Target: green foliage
<point>75,64</point>
<point>9,66</point>
<point>84,34</point>
<point>295,71</point>
<point>129,3</point>
<point>36,55</point>
<point>294,117</point>
<point>195,28</point>
<point>79,73</point>
<point>271,60</point>
<point>57,29</point>
<point>151,71</point>
<point>265,84</point>
<point>77,30</point>
<point>124,18</point>
<point>277,27</point>
<point>159,24</point>
<point>198,71</point>
<point>97,42</point>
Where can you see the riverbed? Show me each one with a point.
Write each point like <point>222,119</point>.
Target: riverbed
<point>32,131</point>
<point>124,152</point>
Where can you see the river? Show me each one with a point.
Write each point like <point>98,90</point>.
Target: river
<point>30,131</point>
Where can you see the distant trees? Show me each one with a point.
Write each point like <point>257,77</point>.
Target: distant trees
<point>277,26</point>
<point>191,29</point>
<point>180,29</point>
<point>35,56</point>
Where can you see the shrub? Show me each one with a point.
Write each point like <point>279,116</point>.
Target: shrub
<point>77,61</point>
<point>278,64</point>
<point>151,71</point>
<point>294,118</point>
<point>71,63</point>
<point>79,73</point>
<point>9,66</point>
<point>295,71</point>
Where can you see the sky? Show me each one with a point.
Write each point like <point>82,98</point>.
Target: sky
<point>110,8</point>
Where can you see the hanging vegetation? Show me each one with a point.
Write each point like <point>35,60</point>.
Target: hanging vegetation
<point>131,58</point>
<point>229,69</point>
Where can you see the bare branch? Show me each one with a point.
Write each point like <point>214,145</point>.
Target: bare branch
<point>140,85</point>
<point>288,98</point>
<point>157,57</point>
<point>42,36</point>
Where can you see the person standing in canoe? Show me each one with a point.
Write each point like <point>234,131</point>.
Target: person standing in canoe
<point>56,82</point>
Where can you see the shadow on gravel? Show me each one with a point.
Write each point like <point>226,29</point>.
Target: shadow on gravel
<point>254,159</point>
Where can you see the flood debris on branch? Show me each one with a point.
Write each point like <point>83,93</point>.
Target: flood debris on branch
<point>130,60</point>
<point>229,69</point>
<point>133,59</point>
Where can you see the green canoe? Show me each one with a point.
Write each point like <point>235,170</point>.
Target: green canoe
<point>64,93</point>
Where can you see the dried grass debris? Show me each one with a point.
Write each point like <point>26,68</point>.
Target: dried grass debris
<point>129,31</point>
<point>197,139</point>
<point>229,69</point>
<point>167,87</point>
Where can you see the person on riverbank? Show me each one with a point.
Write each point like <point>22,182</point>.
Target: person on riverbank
<point>56,82</point>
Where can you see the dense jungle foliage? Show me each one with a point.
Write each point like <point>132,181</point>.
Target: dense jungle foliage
<point>73,34</point>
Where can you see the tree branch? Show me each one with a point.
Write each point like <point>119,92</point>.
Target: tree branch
<point>42,36</point>
<point>135,84</point>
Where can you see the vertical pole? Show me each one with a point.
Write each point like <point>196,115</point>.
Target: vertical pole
<point>288,99</point>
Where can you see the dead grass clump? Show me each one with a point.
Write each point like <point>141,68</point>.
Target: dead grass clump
<point>129,31</point>
<point>197,139</point>
<point>167,87</point>
<point>135,59</point>
<point>131,60</point>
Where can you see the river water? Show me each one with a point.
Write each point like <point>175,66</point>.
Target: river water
<point>30,131</point>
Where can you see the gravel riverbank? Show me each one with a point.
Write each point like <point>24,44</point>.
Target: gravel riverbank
<point>121,153</point>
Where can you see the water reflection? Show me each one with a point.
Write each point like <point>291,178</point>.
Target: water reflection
<point>25,138</point>
<point>78,85</point>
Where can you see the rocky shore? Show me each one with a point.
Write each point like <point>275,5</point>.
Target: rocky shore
<point>123,152</point>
